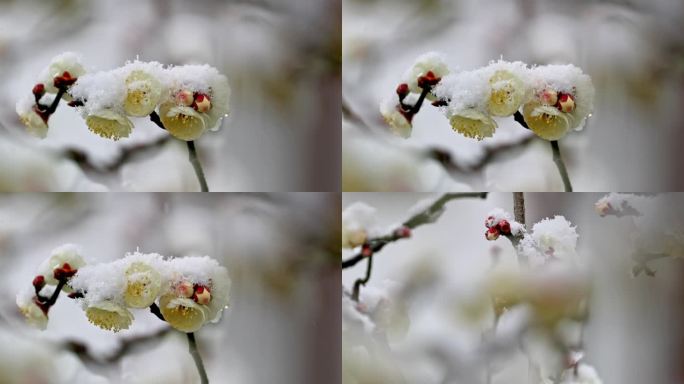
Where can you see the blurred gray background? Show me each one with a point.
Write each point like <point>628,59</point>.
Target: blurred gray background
<point>282,59</point>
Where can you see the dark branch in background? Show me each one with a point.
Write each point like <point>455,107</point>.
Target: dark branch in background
<point>429,215</point>
<point>126,345</point>
<point>519,216</point>
<point>82,159</point>
<point>444,157</point>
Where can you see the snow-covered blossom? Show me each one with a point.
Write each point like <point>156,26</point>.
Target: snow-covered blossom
<point>550,240</point>
<point>67,62</point>
<point>143,283</point>
<point>508,86</point>
<point>386,308</point>
<point>66,258</point>
<point>468,95</point>
<point>563,99</point>
<point>198,100</point>
<point>191,291</point>
<point>30,116</point>
<point>429,62</point>
<point>358,222</point>
<point>143,91</point>
<point>399,122</point>
<point>34,314</point>
<point>582,374</point>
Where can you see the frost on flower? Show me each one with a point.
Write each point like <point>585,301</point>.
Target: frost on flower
<point>468,96</point>
<point>550,240</point>
<point>198,292</point>
<point>198,100</point>
<point>563,99</point>
<point>67,63</point>
<point>66,258</point>
<point>508,87</point>
<point>429,62</point>
<point>191,290</point>
<point>358,221</point>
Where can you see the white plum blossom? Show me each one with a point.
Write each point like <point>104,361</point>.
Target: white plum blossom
<point>358,224</point>
<point>35,316</point>
<point>67,256</point>
<point>69,62</point>
<point>399,121</point>
<point>550,240</point>
<point>429,62</point>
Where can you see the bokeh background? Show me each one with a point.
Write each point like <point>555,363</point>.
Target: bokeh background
<point>632,49</point>
<point>633,334</point>
<point>281,251</point>
<point>282,59</point>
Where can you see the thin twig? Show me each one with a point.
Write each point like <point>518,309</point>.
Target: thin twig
<point>359,282</point>
<point>421,99</point>
<point>156,311</point>
<point>558,159</point>
<point>428,215</point>
<point>194,352</point>
<point>194,160</point>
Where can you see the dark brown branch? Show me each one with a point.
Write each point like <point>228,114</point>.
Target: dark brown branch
<point>359,282</point>
<point>126,345</point>
<point>154,308</point>
<point>82,159</point>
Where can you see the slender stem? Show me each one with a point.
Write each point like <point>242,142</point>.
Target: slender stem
<point>194,160</point>
<point>421,99</point>
<point>53,107</point>
<point>558,159</point>
<point>364,281</point>
<point>157,120</point>
<point>194,352</point>
<point>156,311</point>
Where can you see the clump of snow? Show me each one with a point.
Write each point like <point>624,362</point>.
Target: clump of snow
<point>550,240</point>
<point>465,91</point>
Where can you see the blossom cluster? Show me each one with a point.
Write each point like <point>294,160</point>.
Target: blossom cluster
<point>188,99</point>
<point>555,99</point>
<point>188,291</point>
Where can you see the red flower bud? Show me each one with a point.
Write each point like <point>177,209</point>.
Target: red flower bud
<point>39,90</point>
<point>490,222</point>
<point>39,282</point>
<point>64,81</point>
<point>429,80</point>
<point>402,91</point>
<point>366,250</point>
<point>492,233</point>
<point>505,227</point>
<point>65,272</point>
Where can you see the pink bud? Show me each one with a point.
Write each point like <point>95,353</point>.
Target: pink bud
<point>185,289</point>
<point>548,97</point>
<point>566,102</point>
<point>492,233</point>
<point>184,98</point>
<point>202,295</point>
<point>202,103</point>
<point>403,232</point>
